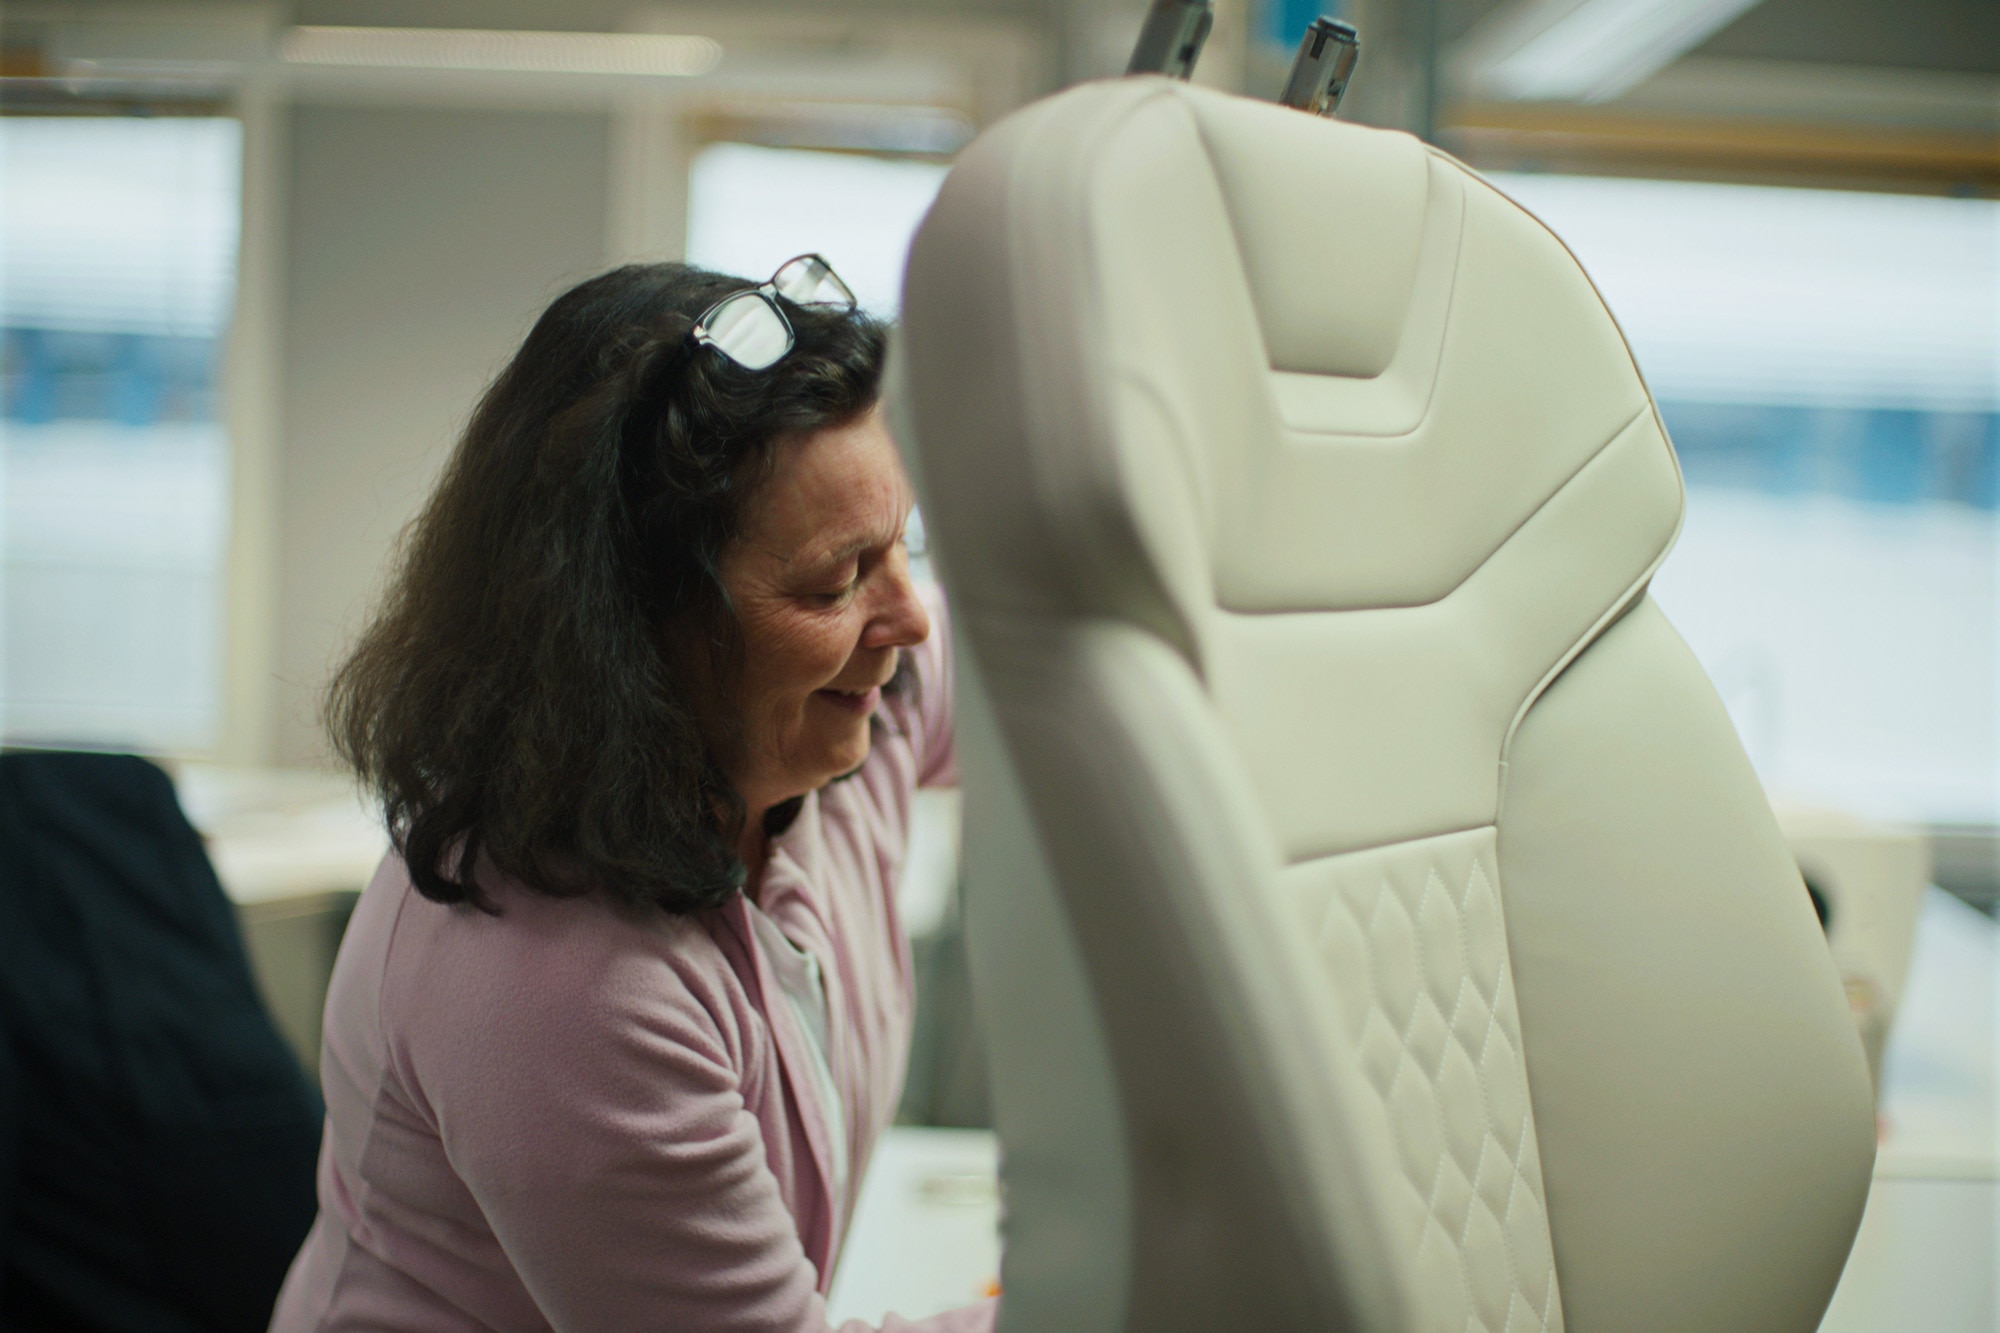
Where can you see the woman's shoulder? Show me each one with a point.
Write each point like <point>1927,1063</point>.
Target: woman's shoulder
<point>541,976</point>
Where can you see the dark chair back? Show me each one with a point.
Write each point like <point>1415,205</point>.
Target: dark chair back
<point>157,1136</point>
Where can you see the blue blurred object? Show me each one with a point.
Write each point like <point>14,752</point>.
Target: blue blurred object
<point>134,379</point>
<point>1893,456</point>
<point>1285,21</point>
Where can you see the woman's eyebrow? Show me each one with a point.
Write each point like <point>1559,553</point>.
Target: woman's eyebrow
<point>814,557</point>
<point>833,555</point>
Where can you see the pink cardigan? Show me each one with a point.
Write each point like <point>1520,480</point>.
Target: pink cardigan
<point>570,1116</point>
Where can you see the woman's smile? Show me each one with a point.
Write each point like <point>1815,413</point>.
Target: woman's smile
<point>859,702</point>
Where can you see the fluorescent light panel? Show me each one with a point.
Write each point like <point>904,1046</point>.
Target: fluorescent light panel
<point>1588,50</point>
<point>501,51</point>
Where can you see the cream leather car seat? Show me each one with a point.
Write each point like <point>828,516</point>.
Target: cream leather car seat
<point>1375,920</point>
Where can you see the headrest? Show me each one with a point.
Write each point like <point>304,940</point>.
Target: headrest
<point>1355,206</point>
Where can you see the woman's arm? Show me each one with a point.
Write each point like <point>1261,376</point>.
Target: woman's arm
<point>934,712</point>
<point>607,1142</point>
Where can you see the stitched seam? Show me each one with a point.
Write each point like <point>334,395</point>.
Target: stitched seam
<point>1504,986</point>
<point>1564,484</point>
<point>1472,1316</point>
<point>1437,1174</point>
<point>1485,1044</point>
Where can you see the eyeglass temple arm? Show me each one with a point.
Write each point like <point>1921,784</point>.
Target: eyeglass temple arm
<point>1171,40</point>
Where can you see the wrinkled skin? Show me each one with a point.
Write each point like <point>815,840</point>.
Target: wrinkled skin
<point>821,585</point>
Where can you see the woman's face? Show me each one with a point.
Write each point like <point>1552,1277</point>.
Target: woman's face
<point>821,584</point>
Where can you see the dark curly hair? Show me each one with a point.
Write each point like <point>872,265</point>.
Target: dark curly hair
<point>516,698</point>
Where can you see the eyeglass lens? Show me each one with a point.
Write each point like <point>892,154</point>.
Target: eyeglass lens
<point>749,330</point>
<point>808,281</point>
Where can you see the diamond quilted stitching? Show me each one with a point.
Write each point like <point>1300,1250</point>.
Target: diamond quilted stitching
<point>1444,955</point>
<point>1497,1180</point>
<point>1420,1129</point>
<point>1485,933</point>
<point>1534,1260</point>
<point>1466,1130</point>
<point>1473,1026</point>
<point>1429,1039</point>
<point>1507,1100</point>
<point>1483,1251</point>
<point>1452,1197</point>
<point>1414,942</point>
<point>1381,1052</point>
<point>1392,949</point>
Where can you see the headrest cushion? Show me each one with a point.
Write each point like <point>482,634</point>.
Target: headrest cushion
<point>1345,315</point>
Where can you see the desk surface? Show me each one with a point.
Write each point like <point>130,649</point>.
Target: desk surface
<point>282,833</point>
<point>1940,1114</point>
<point>926,1235</point>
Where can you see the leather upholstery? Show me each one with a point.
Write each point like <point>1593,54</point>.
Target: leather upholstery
<point>1277,467</point>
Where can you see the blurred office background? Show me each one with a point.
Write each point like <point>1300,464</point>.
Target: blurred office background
<point>257,259</point>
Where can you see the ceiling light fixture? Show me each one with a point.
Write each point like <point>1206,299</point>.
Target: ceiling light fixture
<point>1584,50</point>
<point>501,51</point>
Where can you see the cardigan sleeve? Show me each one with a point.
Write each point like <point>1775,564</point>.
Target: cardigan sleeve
<point>603,1134</point>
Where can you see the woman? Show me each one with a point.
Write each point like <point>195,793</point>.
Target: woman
<point>613,1031</point>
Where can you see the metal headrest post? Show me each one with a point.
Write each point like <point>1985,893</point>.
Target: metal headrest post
<point>1172,38</point>
<point>1326,60</point>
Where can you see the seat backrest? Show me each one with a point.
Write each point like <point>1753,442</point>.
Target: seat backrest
<point>1376,921</point>
<point>161,1140</point>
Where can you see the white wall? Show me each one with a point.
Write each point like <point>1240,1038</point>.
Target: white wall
<point>420,245</point>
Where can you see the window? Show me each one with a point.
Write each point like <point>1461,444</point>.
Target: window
<point>751,208</point>
<point>1828,364</point>
<point>117,266</point>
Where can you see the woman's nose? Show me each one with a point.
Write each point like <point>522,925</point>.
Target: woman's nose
<point>900,620</point>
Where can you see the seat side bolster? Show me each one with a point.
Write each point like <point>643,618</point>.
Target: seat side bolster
<point>1703,1104</point>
